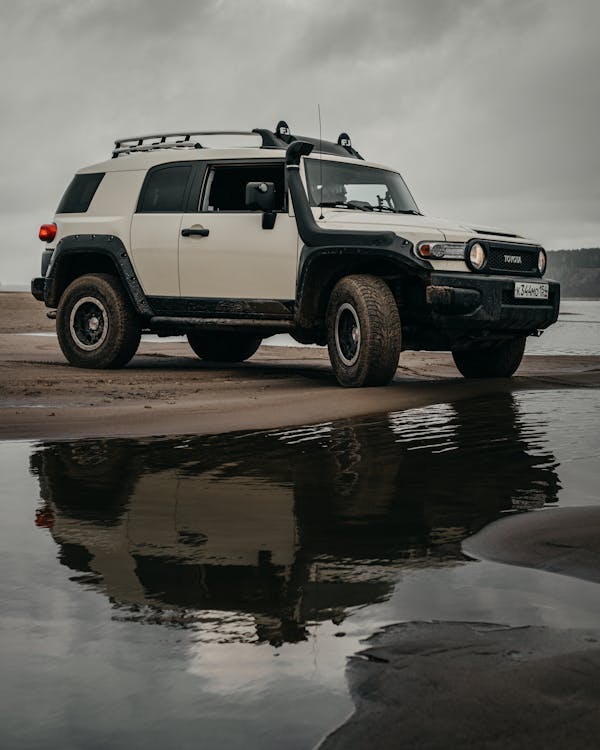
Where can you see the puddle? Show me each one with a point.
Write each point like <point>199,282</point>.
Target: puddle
<point>212,588</point>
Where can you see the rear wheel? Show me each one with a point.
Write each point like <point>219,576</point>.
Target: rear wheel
<point>363,332</point>
<point>224,347</point>
<point>96,324</point>
<point>499,361</point>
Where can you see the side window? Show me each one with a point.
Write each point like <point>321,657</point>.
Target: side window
<point>79,194</point>
<point>165,189</point>
<point>225,187</point>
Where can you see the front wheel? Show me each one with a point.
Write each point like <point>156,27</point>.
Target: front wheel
<point>96,324</point>
<point>223,347</point>
<point>363,331</point>
<point>500,361</point>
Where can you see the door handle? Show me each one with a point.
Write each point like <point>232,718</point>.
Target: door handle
<point>190,231</point>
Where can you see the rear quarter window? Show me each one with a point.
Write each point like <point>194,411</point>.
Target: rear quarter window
<point>165,189</point>
<point>79,194</point>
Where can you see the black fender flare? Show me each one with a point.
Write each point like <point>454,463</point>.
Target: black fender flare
<point>320,268</point>
<point>107,245</point>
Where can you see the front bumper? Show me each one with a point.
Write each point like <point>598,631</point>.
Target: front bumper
<point>469,304</point>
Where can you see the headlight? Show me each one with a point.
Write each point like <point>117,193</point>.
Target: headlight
<point>477,256</point>
<point>541,262</point>
<point>438,250</point>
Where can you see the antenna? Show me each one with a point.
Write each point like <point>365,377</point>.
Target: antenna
<point>320,161</point>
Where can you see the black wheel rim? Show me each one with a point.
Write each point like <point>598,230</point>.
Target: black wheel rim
<point>347,334</point>
<point>88,323</point>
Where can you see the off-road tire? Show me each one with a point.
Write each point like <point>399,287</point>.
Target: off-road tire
<point>500,361</point>
<point>367,301</point>
<point>223,347</point>
<point>121,327</point>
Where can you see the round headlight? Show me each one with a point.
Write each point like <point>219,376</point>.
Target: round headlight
<point>541,262</point>
<point>477,256</point>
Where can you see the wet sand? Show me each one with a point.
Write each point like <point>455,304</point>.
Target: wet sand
<point>166,390</point>
<point>562,540</point>
<point>439,685</point>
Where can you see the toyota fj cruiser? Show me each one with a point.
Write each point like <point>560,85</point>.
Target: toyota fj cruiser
<point>232,245</point>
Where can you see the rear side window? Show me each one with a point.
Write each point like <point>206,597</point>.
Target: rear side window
<point>79,194</point>
<point>165,189</point>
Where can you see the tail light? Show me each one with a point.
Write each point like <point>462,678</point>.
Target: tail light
<point>44,518</point>
<point>47,232</point>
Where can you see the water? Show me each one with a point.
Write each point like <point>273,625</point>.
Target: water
<point>577,330</point>
<point>211,589</point>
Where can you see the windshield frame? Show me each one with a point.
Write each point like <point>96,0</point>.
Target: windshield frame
<point>312,189</point>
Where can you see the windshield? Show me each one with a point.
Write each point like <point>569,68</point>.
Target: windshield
<point>358,187</point>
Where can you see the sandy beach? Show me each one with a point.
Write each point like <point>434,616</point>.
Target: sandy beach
<point>166,390</point>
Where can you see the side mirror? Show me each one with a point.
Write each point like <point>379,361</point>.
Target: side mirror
<point>260,196</point>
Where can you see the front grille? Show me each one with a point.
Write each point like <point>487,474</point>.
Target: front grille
<point>512,259</point>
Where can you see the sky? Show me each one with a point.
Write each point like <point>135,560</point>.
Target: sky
<point>489,109</point>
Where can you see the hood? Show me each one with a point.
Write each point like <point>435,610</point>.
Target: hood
<point>414,228</point>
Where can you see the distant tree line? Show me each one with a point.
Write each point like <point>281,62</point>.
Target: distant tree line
<point>577,270</point>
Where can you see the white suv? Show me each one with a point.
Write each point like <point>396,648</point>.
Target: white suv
<point>230,246</point>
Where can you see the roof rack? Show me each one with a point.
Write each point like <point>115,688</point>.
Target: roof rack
<point>139,142</point>
<point>280,139</point>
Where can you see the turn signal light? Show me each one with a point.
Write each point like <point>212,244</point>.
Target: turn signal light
<point>47,232</point>
<point>438,250</point>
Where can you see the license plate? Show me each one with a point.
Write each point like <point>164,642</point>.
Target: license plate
<point>530,290</point>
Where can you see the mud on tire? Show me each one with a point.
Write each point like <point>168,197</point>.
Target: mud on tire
<point>96,324</point>
<point>223,347</point>
<point>500,361</point>
<point>363,331</point>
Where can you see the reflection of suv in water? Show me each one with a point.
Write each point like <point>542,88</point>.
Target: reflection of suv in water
<point>200,526</point>
<point>232,245</point>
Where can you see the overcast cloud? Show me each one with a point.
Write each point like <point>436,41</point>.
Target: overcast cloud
<point>490,109</point>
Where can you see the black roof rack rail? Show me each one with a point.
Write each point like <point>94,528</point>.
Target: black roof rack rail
<point>187,138</point>
<point>280,138</point>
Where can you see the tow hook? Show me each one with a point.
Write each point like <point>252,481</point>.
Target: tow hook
<point>51,314</point>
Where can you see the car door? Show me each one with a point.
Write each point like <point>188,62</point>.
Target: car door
<point>156,224</point>
<point>225,254</point>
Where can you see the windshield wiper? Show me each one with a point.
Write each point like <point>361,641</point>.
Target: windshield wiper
<point>398,210</point>
<point>341,204</point>
<point>368,207</point>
